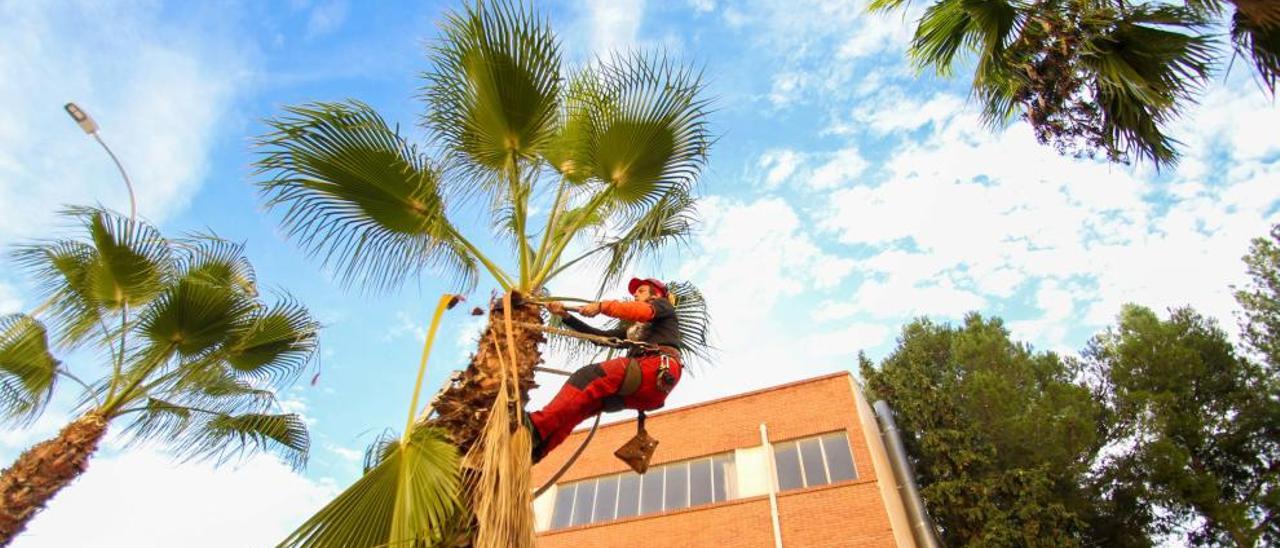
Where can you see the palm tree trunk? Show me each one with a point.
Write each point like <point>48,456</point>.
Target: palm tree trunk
<point>462,409</point>
<point>43,470</point>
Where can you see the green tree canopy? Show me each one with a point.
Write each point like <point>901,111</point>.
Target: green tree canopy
<point>1196,425</point>
<point>1000,436</point>
<point>1094,76</point>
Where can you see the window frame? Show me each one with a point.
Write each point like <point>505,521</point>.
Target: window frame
<point>794,443</point>
<point>728,475</point>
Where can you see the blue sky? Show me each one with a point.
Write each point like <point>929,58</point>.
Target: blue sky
<point>846,194</point>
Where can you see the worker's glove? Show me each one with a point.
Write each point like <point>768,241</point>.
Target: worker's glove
<point>557,308</point>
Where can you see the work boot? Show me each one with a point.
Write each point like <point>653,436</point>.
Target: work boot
<point>534,434</point>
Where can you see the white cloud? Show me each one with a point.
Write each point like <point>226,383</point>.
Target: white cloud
<point>326,18</point>
<point>876,33</point>
<point>833,169</point>
<point>847,340</point>
<point>787,87</point>
<point>156,91</point>
<point>844,166</point>
<point>10,302</point>
<point>614,24</point>
<point>129,500</point>
<point>703,6</point>
<point>778,165</point>
<point>964,216</point>
<point>894,112</point>
<point>347,454</point>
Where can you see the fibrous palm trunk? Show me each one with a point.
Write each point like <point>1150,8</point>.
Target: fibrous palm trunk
<point>462,407</point>
<point>43,470</point>
<point>484,421</point>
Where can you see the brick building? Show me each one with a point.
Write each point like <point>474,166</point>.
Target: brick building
<point>714,482</point>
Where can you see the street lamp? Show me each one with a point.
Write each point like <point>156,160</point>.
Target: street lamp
<point>91,127</point>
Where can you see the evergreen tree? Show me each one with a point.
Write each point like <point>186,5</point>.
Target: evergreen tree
<point>1000,435</point>
<point>1198,424</point>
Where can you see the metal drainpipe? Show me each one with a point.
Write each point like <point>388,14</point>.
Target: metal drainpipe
<point>773,487</point>
<point>921,525</point>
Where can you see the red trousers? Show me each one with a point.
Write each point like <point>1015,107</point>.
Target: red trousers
<point>594,388</point>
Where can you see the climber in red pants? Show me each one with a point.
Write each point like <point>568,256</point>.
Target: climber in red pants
<point>641,380</point>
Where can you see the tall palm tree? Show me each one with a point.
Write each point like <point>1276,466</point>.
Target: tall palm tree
<point>1092,76</point>
<point>194,354</point>
<point>609,155</point>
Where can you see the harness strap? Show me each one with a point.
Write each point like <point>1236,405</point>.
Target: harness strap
<point>631,378</point>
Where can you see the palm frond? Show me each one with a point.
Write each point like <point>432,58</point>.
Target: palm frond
<point>27,368</point>
<point>194,318</point>
<point>1261,42</point>
<point>61,271</point>
<point>648,132</point>
<point>671,220</point>
<point>228,436</point>
<point>566,152</point>
<point>494,87</point>
<point>408,497</point>
<point>382,448</point>
<point>358,195</point>
<point>695,323</point>
<point>950,26</point>
<point>1145,70</point>
<point>195,433</point>
<point>276,344</point>
<point>206,258</point>
<point>133,261</point>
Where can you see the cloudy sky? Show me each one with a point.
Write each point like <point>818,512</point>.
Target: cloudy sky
<point>846,195</point>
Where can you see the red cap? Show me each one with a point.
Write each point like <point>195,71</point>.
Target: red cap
<point>655,284</point>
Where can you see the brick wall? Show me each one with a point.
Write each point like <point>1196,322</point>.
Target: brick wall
<point>850,513</point>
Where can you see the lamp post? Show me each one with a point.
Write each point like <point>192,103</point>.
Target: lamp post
<point>91,127</point>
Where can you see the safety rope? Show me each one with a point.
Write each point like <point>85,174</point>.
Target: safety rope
<point>572,458</point>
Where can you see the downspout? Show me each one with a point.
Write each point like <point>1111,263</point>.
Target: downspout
<point>773,487</point>
<point>921,525</point>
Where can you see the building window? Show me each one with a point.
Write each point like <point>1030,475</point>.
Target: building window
<point>809,462</point>
<point>664,488</point>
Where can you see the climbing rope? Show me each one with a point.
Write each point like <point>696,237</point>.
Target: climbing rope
<point>572,458</point>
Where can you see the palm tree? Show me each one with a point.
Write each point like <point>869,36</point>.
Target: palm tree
<point>611,152</point>
<point>194,354</point>
<point>1091,76</point>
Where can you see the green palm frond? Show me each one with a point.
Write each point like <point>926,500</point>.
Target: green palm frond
<point>206,258</point>
<point>648,133</point>
<point>119,262</point>
<point>357,194</point>
<point>27,368</point>
<point>951,26</point>
<point>1261,42</point>
<point>133,262</point>
<point>670,221</point>
<point>194,318</point>
<point>494,89</point>
<point>886,5</point>
<point>1146,68</point>
<point>276,344</point>
<point>695,322</point>
<point>407,497</point>
<point>382,448</point>
<point>566,152</point>
<point>61,271</point>
<point>224,437</point>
